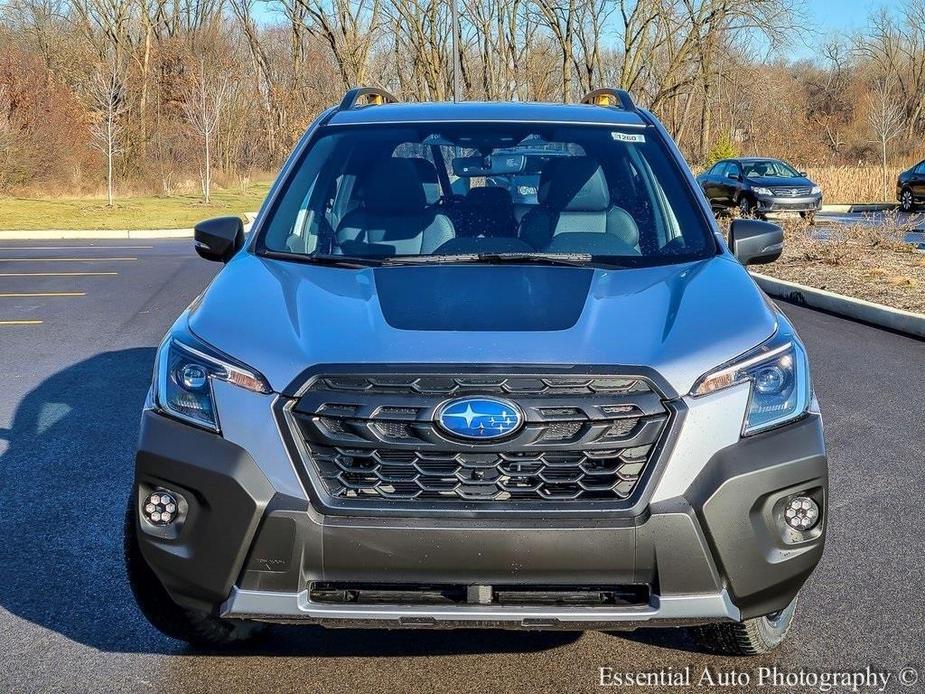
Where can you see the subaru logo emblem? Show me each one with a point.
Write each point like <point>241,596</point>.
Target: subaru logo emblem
<point>479,418</point>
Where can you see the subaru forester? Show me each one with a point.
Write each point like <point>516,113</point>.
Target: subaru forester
<point>411,399</point>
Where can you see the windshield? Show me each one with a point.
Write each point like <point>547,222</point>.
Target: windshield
<point>438,192</point>
<point>771,167</point>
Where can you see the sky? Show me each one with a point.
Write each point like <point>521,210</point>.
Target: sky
<point>835,16</point>
<point>825,18</point>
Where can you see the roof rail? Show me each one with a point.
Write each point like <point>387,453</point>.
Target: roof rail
<point>374,97</point>
<point>610,97</point>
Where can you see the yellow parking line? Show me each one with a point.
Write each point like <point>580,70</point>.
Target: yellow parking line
<point>72,248</point>
<point>55,274</point>
<point>60,260</point>
<point>15,295</point>
<point>20,322</point>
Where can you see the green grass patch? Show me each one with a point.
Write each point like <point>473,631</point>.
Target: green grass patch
<point>175,212</point>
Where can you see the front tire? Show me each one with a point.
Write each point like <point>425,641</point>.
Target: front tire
<point>192,626</point>
<point>746,208</point>
<point>906,201</point>
<point>751,637</point>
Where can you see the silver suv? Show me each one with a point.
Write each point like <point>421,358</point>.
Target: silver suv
<point>412,400</point>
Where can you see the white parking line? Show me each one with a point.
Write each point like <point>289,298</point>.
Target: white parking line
<point>16,295</point>
<point>4,323</point>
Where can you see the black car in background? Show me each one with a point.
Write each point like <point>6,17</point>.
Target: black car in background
<point>910,187</point>
<point>758,185</point>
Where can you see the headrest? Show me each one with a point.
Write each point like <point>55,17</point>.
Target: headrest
<point>392,186</point>
<point>427,172</point>
<point>574,183</point>
<point>491,196</point>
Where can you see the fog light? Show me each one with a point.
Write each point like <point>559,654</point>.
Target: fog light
<point>802,513</point>
<point>160,508</point>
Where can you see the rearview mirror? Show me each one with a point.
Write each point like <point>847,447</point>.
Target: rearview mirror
<point>754,242</point>
<point>219,238</point>
<point>489,165</point>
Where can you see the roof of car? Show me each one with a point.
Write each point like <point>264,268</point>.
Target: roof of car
<point>753,159</point>
<point>474,111</point>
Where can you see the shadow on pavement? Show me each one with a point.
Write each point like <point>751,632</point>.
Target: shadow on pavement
<point>64,481</point>
<point>674,639</point>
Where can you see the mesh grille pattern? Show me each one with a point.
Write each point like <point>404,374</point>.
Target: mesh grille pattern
<point>792,191</point>
<point>373,438</point>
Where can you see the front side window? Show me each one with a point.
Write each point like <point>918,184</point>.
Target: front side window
<point>772,167</point>
<point>435,191</point>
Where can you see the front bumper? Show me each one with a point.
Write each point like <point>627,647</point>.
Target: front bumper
<point>713,553</point>
<point>774,203</point>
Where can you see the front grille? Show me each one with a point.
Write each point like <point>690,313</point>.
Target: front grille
<point>792,191</point>
<point>373,439</point>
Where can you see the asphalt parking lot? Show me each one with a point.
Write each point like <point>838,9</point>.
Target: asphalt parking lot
<point>79,324</point>
<point>914,222</point>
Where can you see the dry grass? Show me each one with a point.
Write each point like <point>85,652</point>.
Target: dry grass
<point>871,263</point>
<point>853,184</point>
<point>136,212</point>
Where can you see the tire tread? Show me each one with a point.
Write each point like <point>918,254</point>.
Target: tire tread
<point>192,626</point>
<point>751,637</point>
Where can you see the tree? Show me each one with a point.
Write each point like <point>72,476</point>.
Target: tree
<point>561,19</point>
<point>885,117</point>
<point>349,27</point>
<point>107,94</point>
<point>202,106</point>
<point>830,106</point>
<point>723,148</point>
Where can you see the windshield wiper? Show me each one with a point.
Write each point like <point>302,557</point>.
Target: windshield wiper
<point>567,259</point>
<point>347,261</point>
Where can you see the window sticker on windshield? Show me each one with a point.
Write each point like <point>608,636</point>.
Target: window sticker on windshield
<point>627,137</point>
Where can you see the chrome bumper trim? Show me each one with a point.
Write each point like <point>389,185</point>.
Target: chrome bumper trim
<point>296,607</point>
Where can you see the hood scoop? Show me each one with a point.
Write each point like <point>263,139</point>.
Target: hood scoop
<point>519,298</point>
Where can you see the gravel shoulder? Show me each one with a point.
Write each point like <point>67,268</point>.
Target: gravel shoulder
<point>870,263</point>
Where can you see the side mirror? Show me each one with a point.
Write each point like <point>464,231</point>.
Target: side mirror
<point>754,242</point>
<point>220,238</point>
<point>734,176</point>
<point>802,173</point>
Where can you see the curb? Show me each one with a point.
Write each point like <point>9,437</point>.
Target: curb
<point>862,207</point>
<point>905,322</point>
<point>122,234</point>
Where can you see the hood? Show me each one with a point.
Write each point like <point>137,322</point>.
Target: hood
<point>783,181</point>
<point>283,317</point>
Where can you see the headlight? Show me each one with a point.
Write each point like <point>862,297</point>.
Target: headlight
<point>816,190</point>
<point>778,371</point>
<point>186,368</point>
<point>758,190</point>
